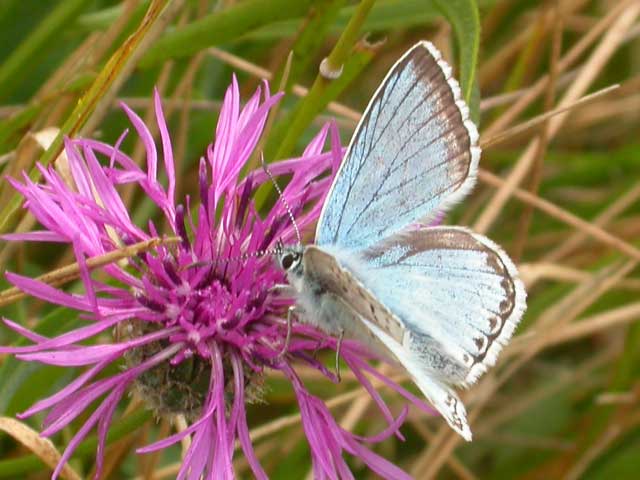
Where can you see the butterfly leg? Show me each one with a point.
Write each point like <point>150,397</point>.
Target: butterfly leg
<point>338,347</point>
<point>287,340</point>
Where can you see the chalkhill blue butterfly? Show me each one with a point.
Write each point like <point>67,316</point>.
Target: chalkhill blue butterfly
<point>440,300</point>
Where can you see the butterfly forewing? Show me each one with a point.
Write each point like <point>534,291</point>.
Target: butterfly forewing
<point>413,154</point>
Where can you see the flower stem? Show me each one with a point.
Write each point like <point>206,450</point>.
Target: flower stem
<point>339,58</point>
<point>345,43</point>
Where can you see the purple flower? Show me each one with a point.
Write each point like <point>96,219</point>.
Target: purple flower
<point>197,320</point>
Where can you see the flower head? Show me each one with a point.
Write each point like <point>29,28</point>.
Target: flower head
<point>197,316</point>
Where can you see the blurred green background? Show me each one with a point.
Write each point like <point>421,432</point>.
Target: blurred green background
<point>560,192</point>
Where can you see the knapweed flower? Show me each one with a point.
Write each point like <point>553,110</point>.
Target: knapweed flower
<point>196,322</point>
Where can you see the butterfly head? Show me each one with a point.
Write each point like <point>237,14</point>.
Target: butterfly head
<point>290,259</point>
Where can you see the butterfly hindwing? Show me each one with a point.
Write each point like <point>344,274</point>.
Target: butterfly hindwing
<point>451,284</point>
<point>426,361</point>
<point>436,390</point>
<point>413,154</point>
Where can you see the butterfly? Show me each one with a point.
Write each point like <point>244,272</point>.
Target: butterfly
<point>440,300</point>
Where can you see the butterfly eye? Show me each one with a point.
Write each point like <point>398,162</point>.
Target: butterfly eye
<point>288,260</point>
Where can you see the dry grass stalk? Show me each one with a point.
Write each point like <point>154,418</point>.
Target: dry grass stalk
<point>602,220</point>
<point>537,120</point>
<point>513,409</point>
<point>560,313</point>
<point>566,62</point>
<point>596,62</point>
<point>43,448</point>
<point>564,216</point>
<point>70,272</point>
<point>456,466</point>
<point>611,434</point>
<point>532,273</point>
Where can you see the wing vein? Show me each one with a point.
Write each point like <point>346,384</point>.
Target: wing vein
<point>393,168</point>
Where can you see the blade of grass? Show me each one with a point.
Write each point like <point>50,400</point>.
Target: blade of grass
<point>323,89</point>
<point>465,19</point>
<point>222,26</point>
<point>114,72</point>
<point>21,61</point>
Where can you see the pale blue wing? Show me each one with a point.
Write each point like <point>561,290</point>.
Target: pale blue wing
<point>413,154</point>
<point>449,287</point>
<point>434,388</point>
<point>355,310</point>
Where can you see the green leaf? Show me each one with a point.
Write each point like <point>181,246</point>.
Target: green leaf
<point>464,17</point>
<point>21,61</point>
<point>15,375</point>
<point>222,26</point>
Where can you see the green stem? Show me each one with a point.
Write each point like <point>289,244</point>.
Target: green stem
<point>222,26</point>
<point>309,40</point>
<point>345,43</point>
<point>316,99</point>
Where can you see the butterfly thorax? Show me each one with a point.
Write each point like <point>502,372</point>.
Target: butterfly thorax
<point>320,300</point>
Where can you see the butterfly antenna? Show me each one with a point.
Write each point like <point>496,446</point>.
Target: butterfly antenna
<point>281,197</point>
<point>227,261</point>
<point>279,246</point>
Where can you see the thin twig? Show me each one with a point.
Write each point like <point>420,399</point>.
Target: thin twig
<point>565,216</point>
<point>524,126</point>
<point>71,272</point>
